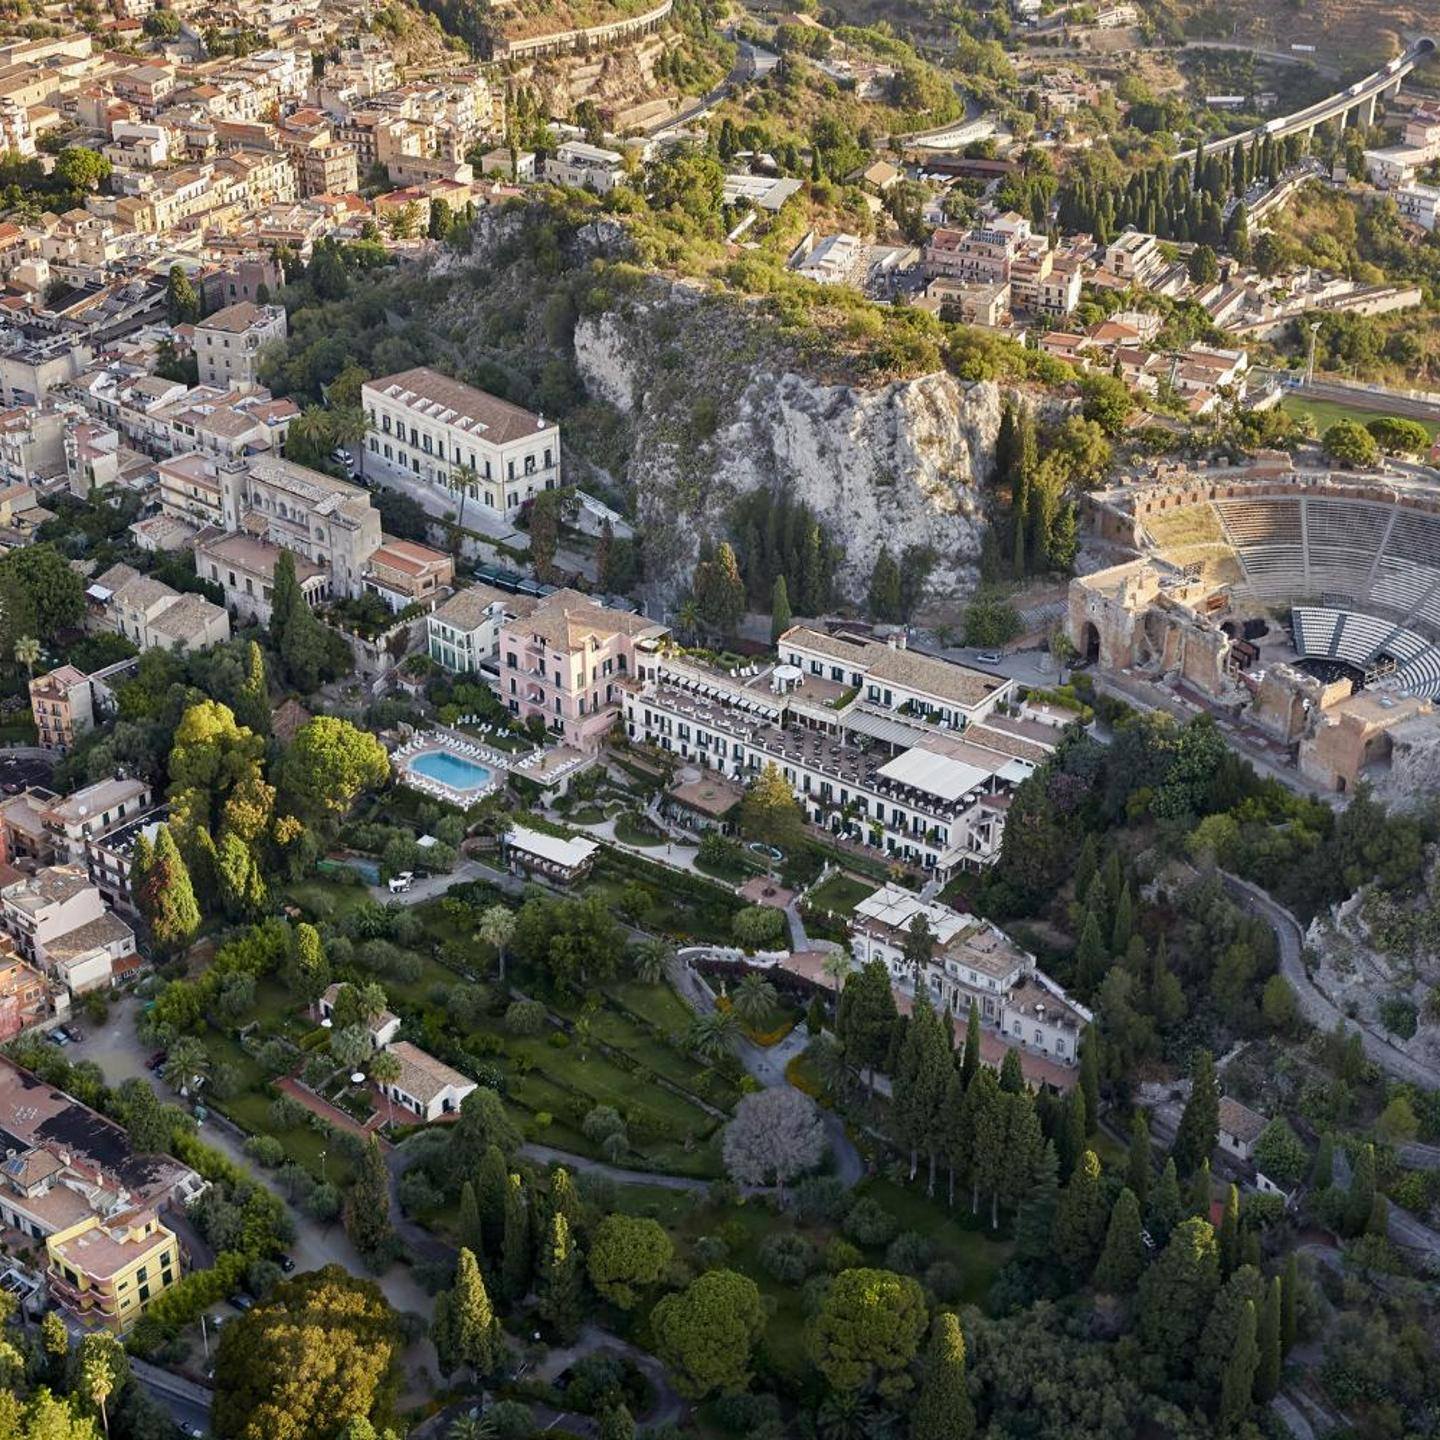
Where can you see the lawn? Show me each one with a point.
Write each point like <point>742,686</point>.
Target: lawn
<point>1326,412</point>
<point>324,899</point>
<point>840,893</point>
<point>630,831</point>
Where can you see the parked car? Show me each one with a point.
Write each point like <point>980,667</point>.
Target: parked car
<point>75,1033</point>
<point>58,1037</point>
<point>285,1262</point>
<point>401,882</point>
<point>988,657</point>
<point>243,1301</point>
<point>156,1061</point>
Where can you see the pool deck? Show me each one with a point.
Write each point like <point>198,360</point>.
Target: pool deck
<point>446,742</point>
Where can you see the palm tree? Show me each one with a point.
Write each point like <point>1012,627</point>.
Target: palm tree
<point>846,1415</point>
<point>101,1367</point>
<point>27,652</point>
<point>837,965</point>
<point>754,999</point>
<point>496,928</point>
<point>185,1063</point>
<point>712,1035</point>
<point>385,1071</point>
<point>372,1002</point>
<point>649,960</point>
<point>472,1427</point>
<point>687,618</point>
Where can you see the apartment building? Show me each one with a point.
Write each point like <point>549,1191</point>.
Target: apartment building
<point>1004,251</point>
<point>1134,256</point>
<point>76,821</point>
<point>63,707</point>
<point>228,344</point>
<point>152,615</point>
<point>458,440</point>
<point>564,662</point>
<point>403,573</point>
<point>60,924</point>
<point>974,963</point>
<point>1420,203</point>
<point>106,1269</point>
<point>463,634</point>
<point>24,994</point>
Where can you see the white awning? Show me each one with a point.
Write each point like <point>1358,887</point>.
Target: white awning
<point>934,774</point>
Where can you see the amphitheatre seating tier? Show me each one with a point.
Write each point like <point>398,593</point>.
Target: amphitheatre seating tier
<point>1351,544</point>
<point>1362,640</point>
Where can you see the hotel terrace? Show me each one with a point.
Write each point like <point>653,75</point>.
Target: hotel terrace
<point>884,747</point>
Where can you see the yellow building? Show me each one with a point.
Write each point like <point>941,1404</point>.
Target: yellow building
<point>107,1270</point>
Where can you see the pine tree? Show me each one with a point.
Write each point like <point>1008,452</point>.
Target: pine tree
<point>1123,1257</point>
<point>560,1280</point>
<point>1035,1219</point>
<point>1360,1200</point>
<point>473,1331</point>
<point>1200,1124</point>
<point>492,1184</point>
<point>1167,1209</point>
<point>468,1228</point>
<point>1080,1217</point>
<point>1267,1374</point>
<point>943,1410</point>
<point>1176,1294</point>
<point>1090,1077</point>
<point>1138,1170</point>
<point>1238,1382</point>
<point>1289,1297</point>
<point>780,617</point>
<point>516,1263</point>
<point>1229,1238</point>
<point>166,898</point>
<point>970,1059</point>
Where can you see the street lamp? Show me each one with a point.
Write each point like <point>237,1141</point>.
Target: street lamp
<point>1310,363</point>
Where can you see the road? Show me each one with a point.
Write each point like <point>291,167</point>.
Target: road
<point>1315,1005</point>
<point>1374,398</point>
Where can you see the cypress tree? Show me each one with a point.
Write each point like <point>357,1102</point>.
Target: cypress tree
<point>560,1280</point>
<point>473,1331</point>
<point>367,1207</point>
<point>780,618</point>
<point>1087,864</point>
<point>921,1078</point>
<point>884,595</point>
<point>1199,1193</point>
<point>1035,1219</point>
<point>1176,1294</point>
<point>1072,1132</point>
<point>1166,1207</point>
<point>1080,1217</point>
<point>1229,1238</point>
<point>166,898</point>
<point>1123,1258</point>
<point>1138,1169</point>
<point>1124,921</point>
<point>1012,1074</point>
<point>1200,1124</point>
<point>1289,1287</point>
<point>467,1227</point>
<point>563,1199</point>
<point>1091,957</point>
<point>942,1409</point>
<point>492,1184</point>
<point>970,1059</point>
<point>1324,1174</point>
<point>1267,1374</point>
<point>515,1259</point>
<point>1238,1382</point>
<point>1360,1201</point>
<point>1090,1078</point>
<point>252,702</point>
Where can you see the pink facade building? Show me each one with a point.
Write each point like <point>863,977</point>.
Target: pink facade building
<point>563,660</point>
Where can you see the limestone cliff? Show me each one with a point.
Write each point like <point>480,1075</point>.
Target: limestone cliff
<point>718,411</point>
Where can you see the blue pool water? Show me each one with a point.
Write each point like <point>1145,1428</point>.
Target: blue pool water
<point>455,771</point>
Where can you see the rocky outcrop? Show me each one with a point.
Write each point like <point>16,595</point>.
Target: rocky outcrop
<point>719,412</point>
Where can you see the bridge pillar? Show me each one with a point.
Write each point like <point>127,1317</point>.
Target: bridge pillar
<point>1371,111</point>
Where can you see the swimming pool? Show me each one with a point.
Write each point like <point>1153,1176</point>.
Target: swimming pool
<point>456,771</point>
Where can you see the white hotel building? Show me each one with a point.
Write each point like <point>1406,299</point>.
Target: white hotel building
<point>883,746</point>
<point>427,427</point>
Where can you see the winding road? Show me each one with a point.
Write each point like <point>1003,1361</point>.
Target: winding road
<point>1315,1005</point>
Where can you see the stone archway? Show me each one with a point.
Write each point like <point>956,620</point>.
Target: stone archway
<point>1090,642</point>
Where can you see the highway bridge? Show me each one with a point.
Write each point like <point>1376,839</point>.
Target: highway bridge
<point>1359,99</point>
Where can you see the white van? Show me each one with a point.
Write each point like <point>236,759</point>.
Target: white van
<point>401,882</point>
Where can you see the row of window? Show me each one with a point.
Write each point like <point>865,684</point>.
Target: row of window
<point>421,440</point>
